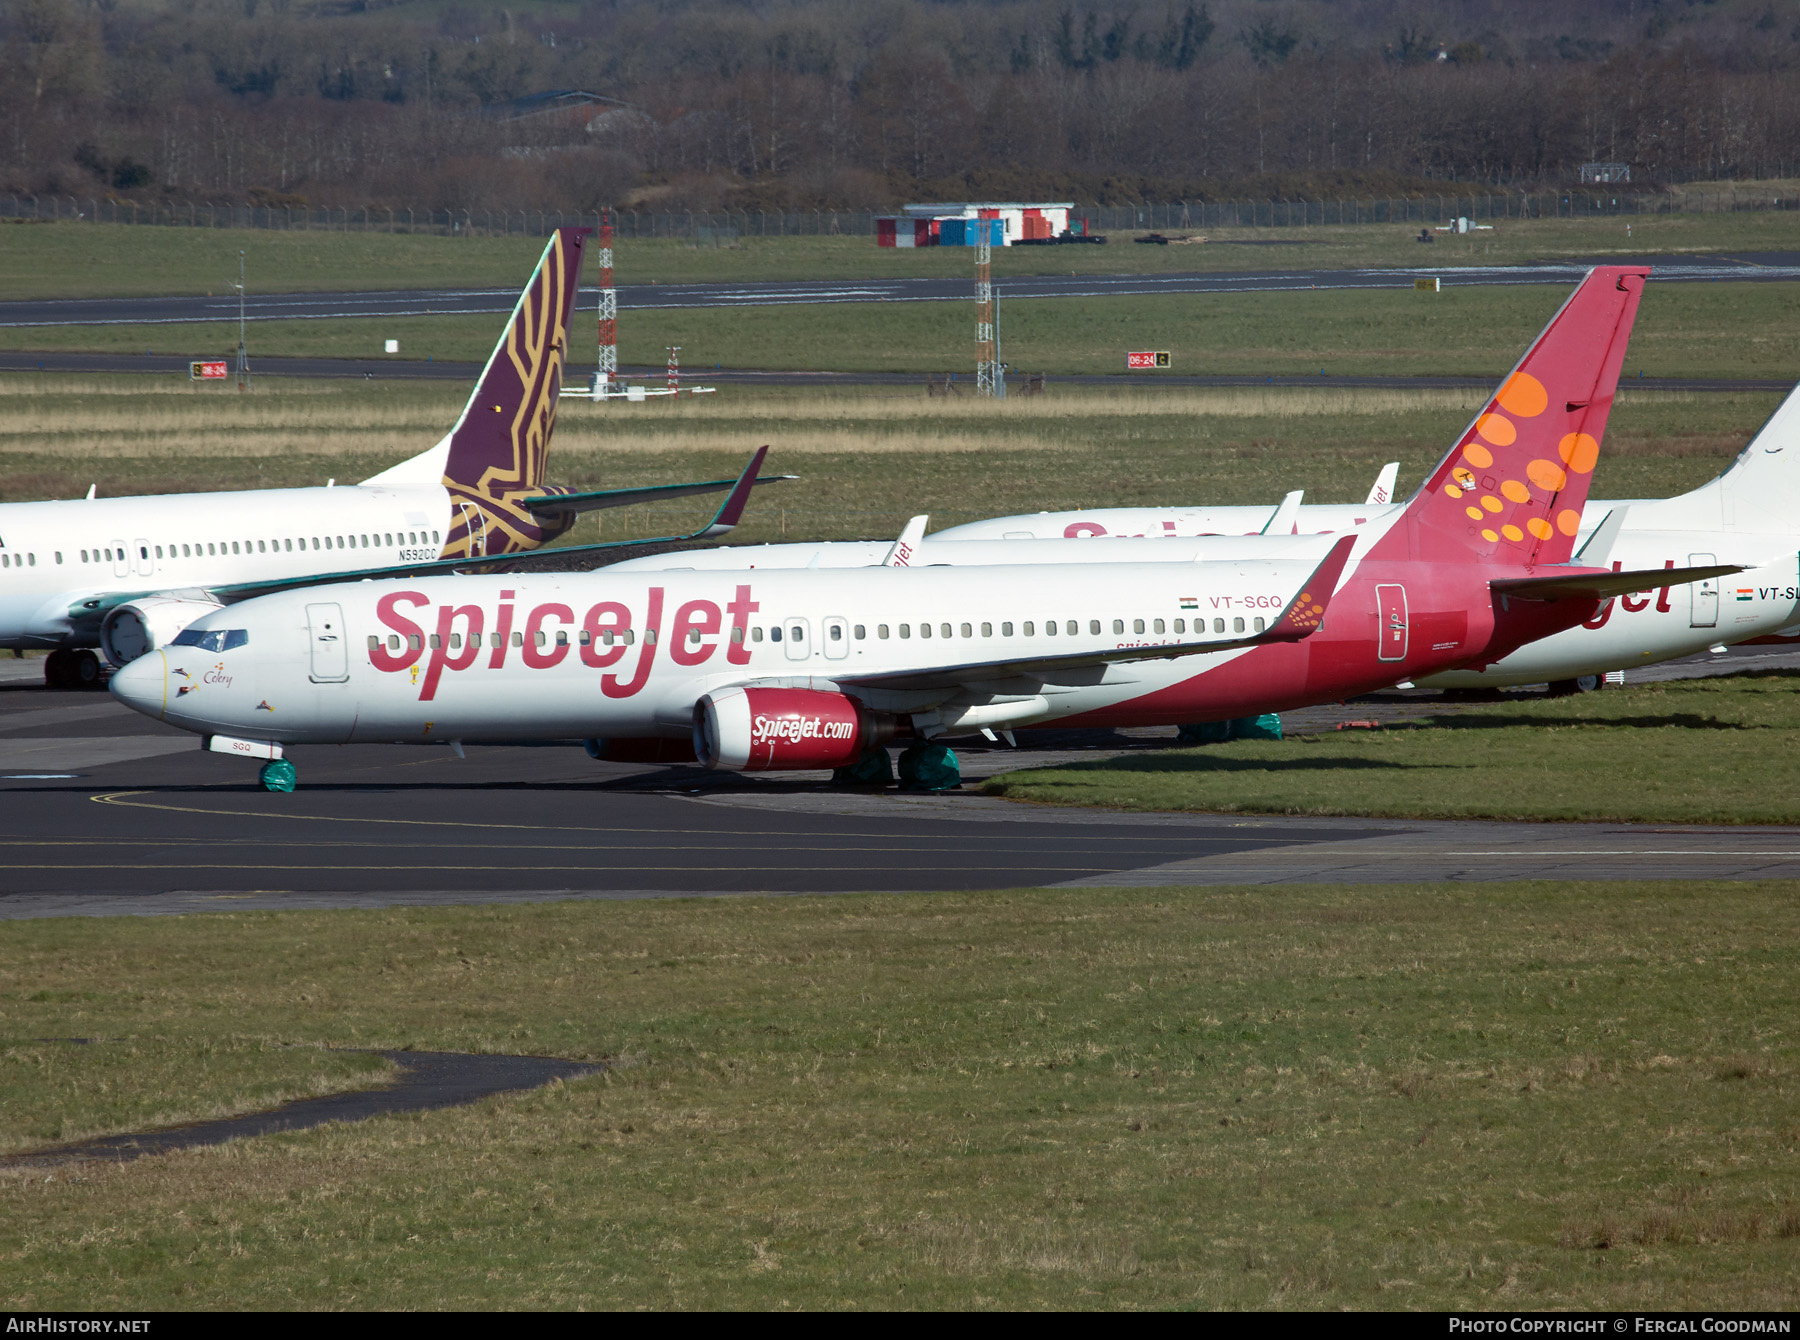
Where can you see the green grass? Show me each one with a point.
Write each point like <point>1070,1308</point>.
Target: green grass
<point>1683,330</point>
<point>1723,751</point>
<point>868,459</point>
<point>71,259</point>
<point>1307,1098</point>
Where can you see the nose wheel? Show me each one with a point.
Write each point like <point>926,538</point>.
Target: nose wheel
<point>65,669</point>
<point>278,775</point>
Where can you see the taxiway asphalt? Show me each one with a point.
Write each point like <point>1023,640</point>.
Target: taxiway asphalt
<point>1760,267</point>
<point>103,812</point>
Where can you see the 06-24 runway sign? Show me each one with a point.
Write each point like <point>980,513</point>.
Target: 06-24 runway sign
<point>1146,358</point>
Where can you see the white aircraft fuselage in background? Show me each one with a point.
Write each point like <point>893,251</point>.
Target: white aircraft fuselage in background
<point>1749,516</point>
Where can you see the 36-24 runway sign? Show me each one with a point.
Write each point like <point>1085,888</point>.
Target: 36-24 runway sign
<point>1146,358</point>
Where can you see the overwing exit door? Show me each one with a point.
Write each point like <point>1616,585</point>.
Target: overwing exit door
<point>1706,594</point>
<point>330,649</point>
<point>1390,610</point>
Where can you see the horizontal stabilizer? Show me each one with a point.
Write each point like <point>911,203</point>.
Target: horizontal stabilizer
<point>600,499</point>
<point>1603,585</point>
<point>727,516</point>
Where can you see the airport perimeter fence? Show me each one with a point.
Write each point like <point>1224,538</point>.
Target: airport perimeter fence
<point>721,228</point>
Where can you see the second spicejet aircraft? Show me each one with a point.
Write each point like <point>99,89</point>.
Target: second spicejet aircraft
<point>815,668</point>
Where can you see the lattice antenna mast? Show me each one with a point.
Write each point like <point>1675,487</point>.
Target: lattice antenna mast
<point>609,311</point>
<point>986,363</point>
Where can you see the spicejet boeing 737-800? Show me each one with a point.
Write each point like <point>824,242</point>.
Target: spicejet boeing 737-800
<point>127,574</point>
<point>813,668</point>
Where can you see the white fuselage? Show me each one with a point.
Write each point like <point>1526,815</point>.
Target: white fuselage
<point>607,654</point>
<point>56,557</point>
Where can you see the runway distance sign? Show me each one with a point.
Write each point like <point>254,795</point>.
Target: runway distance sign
<point>1146,358</point>
<point>208,370</point>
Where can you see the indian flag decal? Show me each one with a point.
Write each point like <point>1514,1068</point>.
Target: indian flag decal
<point>1190,602</point>
<point>1745,592</point>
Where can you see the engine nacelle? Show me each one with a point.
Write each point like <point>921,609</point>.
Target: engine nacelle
<point>774,730</point>
<point>141,626</point>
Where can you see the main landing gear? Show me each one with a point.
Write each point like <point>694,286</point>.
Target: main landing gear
<point>65,669</point>
<point>929,766</point>
<point>278,775</point>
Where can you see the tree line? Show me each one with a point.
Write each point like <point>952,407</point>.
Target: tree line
<point>808,104</point>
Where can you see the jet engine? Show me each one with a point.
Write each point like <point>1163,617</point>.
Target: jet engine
<point>774,730</point>
<point>140,626</point>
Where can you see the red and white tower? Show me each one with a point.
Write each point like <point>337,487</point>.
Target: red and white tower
<point>609,312</point>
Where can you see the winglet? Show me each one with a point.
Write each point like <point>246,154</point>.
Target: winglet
<point>1383,492</point>
<point>1598,549</point>
<point>1286,518</point>
<point>906,548</point>
<point>1305,613</point>
<point>733,506</point>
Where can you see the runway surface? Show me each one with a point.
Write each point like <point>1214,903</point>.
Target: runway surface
<point>107,813</point>
<point>156,311</point>
<point>465,373</point>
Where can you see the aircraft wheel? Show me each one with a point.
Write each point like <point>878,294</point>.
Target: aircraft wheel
<point>1568,688</point>
<point>84,670</point>
<point>56,669</point>
<point>874,768</point>
<point>929,766</point>
<point>277,775</point>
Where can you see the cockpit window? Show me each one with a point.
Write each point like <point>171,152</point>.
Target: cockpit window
<point>211,639</point>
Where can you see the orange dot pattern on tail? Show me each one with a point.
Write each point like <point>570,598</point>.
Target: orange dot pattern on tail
<point>1507,492</point>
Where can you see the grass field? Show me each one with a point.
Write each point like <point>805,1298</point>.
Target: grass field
<point>1502,1096</point>
<point>1683,330</point>
<point>869,459</point>
<point>1719,751</point>
<point>71,259</point>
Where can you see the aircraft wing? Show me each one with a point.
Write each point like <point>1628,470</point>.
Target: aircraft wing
<point>730,511</point>
<point>602,498</point>
<point>1600,585</point>
<point>1303,616</point>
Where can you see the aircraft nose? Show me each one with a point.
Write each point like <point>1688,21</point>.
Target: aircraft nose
<point>143,684</point>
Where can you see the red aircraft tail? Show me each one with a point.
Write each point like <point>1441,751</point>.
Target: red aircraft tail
<point>1512,488</point>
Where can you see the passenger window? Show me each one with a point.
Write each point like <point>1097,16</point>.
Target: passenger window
<point>1157,626</point>
<point>315,540</point>
<point>924,630</point>
<point>630,637</point>
<point>795,634</point>
<point>434,537</point>
<point>1049,627</point>
<point>234,547</point>
<point>1181,625</point>
<point>1075,627</point>
<point>1137,626</point>
<point>388,538</point>
<point>393,642</point>
<point>835,631</point>
<point>1119,626</point>
<point>1030,629</point>
<point>562,637</point>
<point>1237,625</point>
<point>1218,625</point>
<point>737,635</point>
<point>861,632</point>
<point>290,545</point>
<point>905,630</point>
<point>455,641</point>
<point>774,632</point>
<point>435,643</point>
<point>59,555</point>
<point>519,639</point>
<point>587,638</point>
<point>1005,630</point>
<point>966,631</point>
<point>375,642</point>
<point>693,637</point>
<point>881,631</point>
<point>755,635</point>
<point>493,640</point>
<point>159,551</point>
<point>1093,628</point>
<point>540,639</point>
<point>1259,625</point>
<point>987,630</point>
<point>606,637</point>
